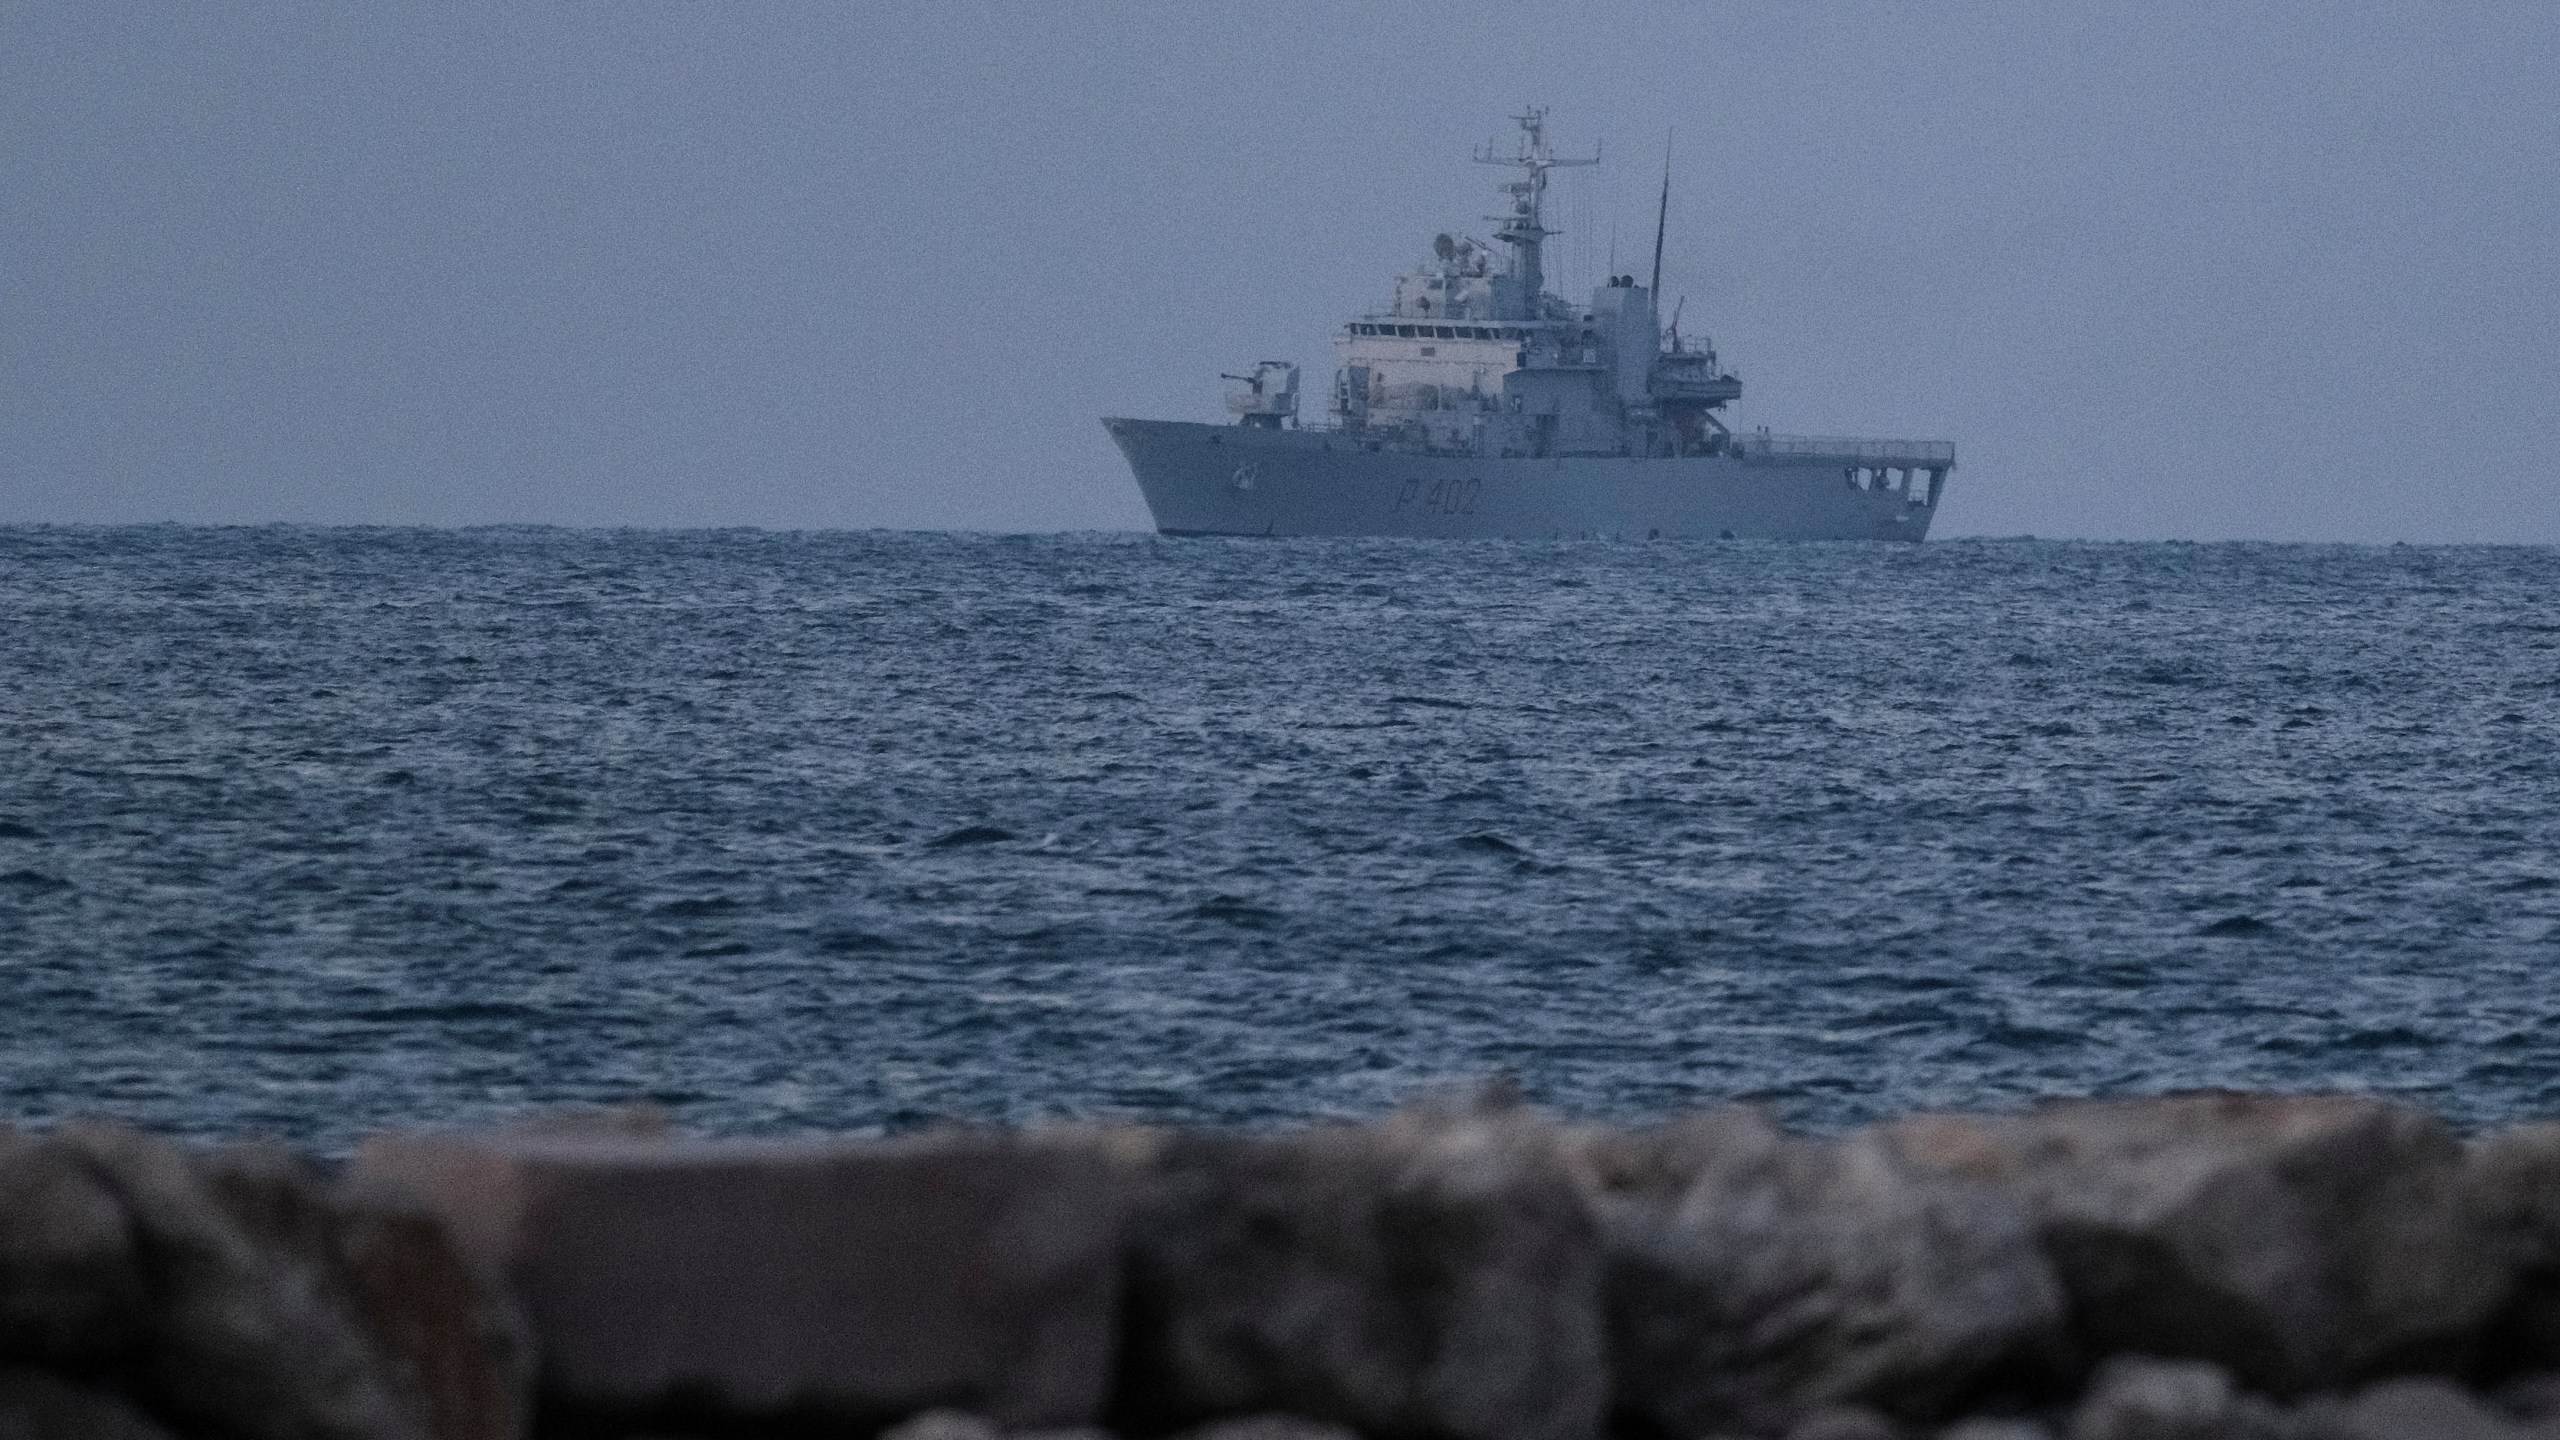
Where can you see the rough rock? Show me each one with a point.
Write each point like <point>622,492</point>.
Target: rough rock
<point>1071,1432</point>
<point>1753,1278</point>
<point>1434,1275</point>
<point>1995,1429</point>
<point>72,1289</point>
<point>1844,1422</point>
<point>944,1425</point>
<point>443,1338</point>
<point>961,1425</point>
<point>35,1405</point>
<point>1269,1427</point>
<point>2514,1179</point>
<point>213,1296</point>
<point>2300,1241</point>
<point>2533,1397</point>
<point>244,1335</point>
<point>2136,1397</point>
<point>2414,1408</point>
<point>826,1283</point>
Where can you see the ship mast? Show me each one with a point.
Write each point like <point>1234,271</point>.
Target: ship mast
<point>1524,229</point>
<point>1661,222</point>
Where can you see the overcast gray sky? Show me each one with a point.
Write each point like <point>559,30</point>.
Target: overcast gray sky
<point>2176,268</point>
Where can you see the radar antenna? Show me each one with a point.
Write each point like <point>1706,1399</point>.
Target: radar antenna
<point>1524,229</point>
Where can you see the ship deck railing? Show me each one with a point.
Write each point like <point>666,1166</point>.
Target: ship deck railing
<point>1917,454</point>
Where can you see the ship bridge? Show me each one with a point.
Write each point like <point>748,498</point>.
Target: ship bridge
<point>1474,356</point>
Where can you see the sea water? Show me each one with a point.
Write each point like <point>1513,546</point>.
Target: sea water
<point>308,831</point>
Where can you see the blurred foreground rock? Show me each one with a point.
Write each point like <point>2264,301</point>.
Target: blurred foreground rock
<point>38,1405</point>
<point>1754,1278</point>
<point>228,1293</point>
<point>2137,1397</point>
<point>2301,1241</point>
<point>1435,1275</point>
<point>2205,1267</point>
<point>837,1284</point>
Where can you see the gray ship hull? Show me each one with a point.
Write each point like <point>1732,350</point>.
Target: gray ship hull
<point>1241,480</point>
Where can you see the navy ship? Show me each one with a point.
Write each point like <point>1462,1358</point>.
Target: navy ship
<point>1480,406</point>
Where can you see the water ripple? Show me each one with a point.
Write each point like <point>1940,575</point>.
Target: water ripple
<point>312,831</point>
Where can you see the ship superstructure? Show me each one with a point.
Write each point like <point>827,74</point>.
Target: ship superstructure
<point>1480,404</point>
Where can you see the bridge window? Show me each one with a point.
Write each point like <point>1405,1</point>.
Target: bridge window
<point>1448,334</point>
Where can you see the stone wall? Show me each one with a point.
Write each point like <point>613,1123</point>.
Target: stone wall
<point>2185,1268</point>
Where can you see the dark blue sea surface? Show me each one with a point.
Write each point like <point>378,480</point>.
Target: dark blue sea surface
<point>312,831</point>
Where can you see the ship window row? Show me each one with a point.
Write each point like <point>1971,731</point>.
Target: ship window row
<point>1440,332</point>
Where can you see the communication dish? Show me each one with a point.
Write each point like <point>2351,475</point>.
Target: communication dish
<point>1443,246</point>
